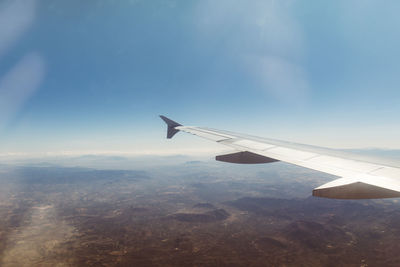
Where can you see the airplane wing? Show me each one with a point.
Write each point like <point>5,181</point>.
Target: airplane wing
<point>359,177</point>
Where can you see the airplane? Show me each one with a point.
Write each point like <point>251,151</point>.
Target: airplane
<point>359,177</point>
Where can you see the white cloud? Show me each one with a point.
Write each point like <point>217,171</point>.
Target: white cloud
<point>19,84</point>
<point>264,38</point>
<point>282,78</point>
<point>15,18</point>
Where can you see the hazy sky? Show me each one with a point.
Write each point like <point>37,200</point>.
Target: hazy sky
<point>93,76</point>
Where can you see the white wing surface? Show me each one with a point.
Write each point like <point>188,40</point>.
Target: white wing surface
<point>360,177</point>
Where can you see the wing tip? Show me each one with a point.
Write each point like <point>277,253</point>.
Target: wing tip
<point>171,130</point>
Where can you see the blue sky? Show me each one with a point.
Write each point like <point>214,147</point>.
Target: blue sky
<point>93,76</point>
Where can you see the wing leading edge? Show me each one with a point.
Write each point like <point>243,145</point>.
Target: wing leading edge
<point>360,178</point>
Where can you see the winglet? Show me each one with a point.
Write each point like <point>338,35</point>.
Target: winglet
<point>171,126</point>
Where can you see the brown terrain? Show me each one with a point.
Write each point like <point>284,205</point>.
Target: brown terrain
<point>187,216</point>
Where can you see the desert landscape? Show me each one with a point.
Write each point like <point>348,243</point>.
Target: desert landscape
<point>194,213</point>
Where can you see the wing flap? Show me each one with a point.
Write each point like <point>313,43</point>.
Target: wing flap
<point>204,133</point>
<point>249,144</point>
